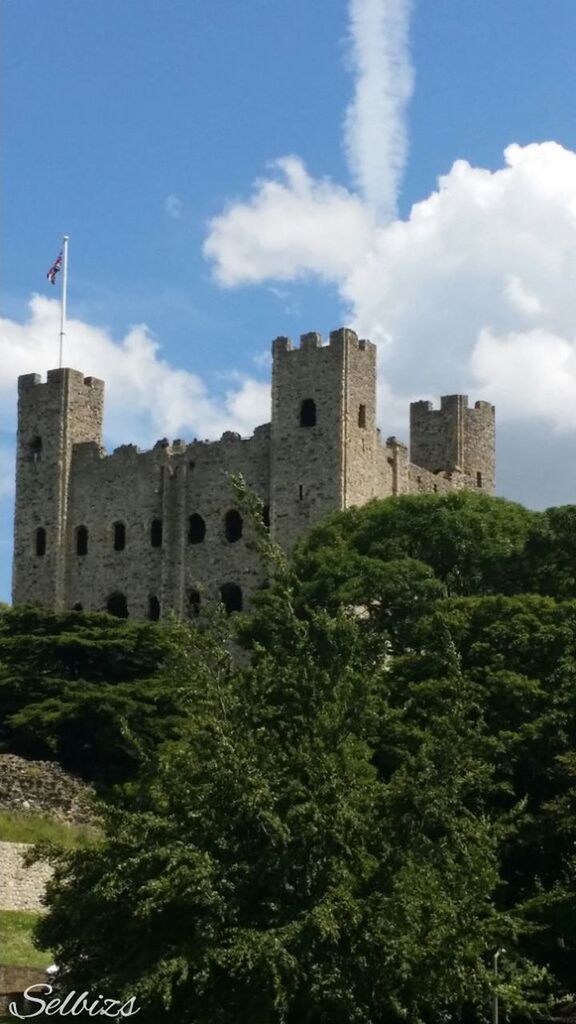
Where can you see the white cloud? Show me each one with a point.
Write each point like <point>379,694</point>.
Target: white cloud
<point>162,399</point>
<point>173,207</point>
<point>293,225</point>
<point>374,129</point>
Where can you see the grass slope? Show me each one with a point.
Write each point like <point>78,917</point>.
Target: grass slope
<point>16,946</point>
<point>27,827</point>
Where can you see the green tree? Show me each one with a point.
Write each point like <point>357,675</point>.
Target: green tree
<point>270,870</point>
<point>85,690</point>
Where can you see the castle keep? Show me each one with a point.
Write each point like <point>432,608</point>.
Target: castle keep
<point>141,533</point>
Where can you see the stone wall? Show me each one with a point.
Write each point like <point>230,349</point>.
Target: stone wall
<point>44,788</point>
<point>21,887</point>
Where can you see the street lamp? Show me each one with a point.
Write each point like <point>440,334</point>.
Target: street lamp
<point>497,956</point>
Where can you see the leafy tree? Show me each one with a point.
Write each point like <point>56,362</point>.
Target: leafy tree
<point>85,690</point>
<point>472,542</point>
<point>270,870</point>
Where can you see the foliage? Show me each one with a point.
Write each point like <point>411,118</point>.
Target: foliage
<point>85,690</point>
<point>270,870</point>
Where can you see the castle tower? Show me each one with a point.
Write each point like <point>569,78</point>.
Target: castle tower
<point>323,433</point>
<point>52,417</point>
<point>455,438</point>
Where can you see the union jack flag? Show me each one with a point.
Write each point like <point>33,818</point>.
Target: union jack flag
<point>56,266</point>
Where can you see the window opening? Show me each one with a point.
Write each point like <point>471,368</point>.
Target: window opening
<point>156,533</point>
<point>196,529</point>
<point>308,413</point>
<point>233,526</point>
<point>231,597</point>
<point>119,536</point>
<point>117,605</point>
<point>82,541</point>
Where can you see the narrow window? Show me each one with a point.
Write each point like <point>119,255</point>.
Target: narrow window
<point>300,492</point>
<point>119,536</point>
<point>478,479</point>
<point>435,488</point>
<point>231,597</point>
<point>308,413</point>
<point>40,541</point>
<point>193,603</point>
<point>266,516</point>
<point>117,605</point>
<point>35,449</point>
<point>153,608</point>
<point>233,526</point>
<point>156,533</point>
<point>362,416</point>
<point>82,541</point>
<point>196,529</point>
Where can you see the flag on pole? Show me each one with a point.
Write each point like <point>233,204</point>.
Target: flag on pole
<point>56,266</point>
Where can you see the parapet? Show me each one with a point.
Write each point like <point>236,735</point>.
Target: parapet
<point>451,404</point>
<point>313,340</point>
<point>57,378</point>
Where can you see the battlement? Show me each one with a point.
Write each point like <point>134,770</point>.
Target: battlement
<point>56,379</point>
<point>450,404</point>
<point>313,340</point>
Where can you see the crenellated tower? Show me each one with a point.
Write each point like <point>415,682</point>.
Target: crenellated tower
<point>52,418</point>
<point>323,432</point>
<point>455,439</point>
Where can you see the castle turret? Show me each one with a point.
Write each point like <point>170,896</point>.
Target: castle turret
<point>323,433</point>
<point>52,417</point>
<point>455,438</point>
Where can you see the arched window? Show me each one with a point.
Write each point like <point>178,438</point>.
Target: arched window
<point>153,608</point>
<point>117,605</point>
<point>308,413</point>
<point>193,603</point>
<point>119,536</point>
<point>35,449</point>
<point>231,597</point>
<point>233,526</point>
<point>362,416</point>
<point>196,529</point>
<point>266,516</point>
<point>82,540</point>
<point>77,607</point>
<point>40,541</point>
<point>156,533</point>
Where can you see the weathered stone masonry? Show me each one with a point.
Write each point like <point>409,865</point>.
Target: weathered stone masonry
<point>141,533</point>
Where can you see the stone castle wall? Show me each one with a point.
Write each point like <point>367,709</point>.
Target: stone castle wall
<point>321,452</point>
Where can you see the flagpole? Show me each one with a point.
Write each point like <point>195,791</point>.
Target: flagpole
<point>64,289</point>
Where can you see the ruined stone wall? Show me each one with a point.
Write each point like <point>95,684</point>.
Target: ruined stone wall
<point>43,787</point>
<point>21,887</point>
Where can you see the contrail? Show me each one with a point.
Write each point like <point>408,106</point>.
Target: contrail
<point>375,139</point>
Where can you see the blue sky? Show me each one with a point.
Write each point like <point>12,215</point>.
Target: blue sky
<point>147,131</point>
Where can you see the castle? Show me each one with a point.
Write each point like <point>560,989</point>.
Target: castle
<point>141,533</point>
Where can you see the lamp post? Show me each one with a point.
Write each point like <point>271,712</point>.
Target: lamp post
<point>495,1016</point>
